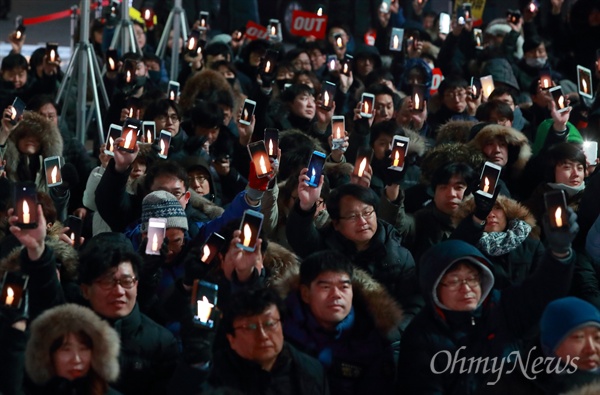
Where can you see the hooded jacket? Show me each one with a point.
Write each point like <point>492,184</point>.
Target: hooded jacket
<point>438,335</point>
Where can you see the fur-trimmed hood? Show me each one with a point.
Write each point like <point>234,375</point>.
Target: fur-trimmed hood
<point>55,323</point>
<point>454,131</point>
<point>519,150</point>
<point>51,143</point>
<point>282,265</point>
<point>512,209</point>
<point>418,144</point>
<point>592,388</point>
<point>449,153</point>
<point>204,205</point>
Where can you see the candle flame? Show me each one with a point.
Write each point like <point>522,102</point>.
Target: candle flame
<point>332,64</point>
<point>268,66</point>
<point>111,64</point>
<point>128,76</point>
<point>339,42</point>
<point>149,138</point>
<point>271,147</point>
<point>72,237</point>
<point>192,44</point>
<point>18,35</point>
<point>345,69</point>
<point>128,139</point>
<point>163,147</point>
<point>338,133</point>
<point>147,15</point>
<point>478,41</point>
<point>320,11</point>
<point>486,186</point>
<point>10,296</point>
<point>561,102</point>
<point>245,114</point>
<point>558,217</point>
<point>26,215</point>
<point>273,31</point>
<point>172,95</point>
<point>366,107</point>
<point>531,7</point>
<point>247,235</point>
<point>155,242</point>
<point>417,102</point>
<point>546,82</point>
<point>362,166</point>
<point>53,174</point>
<point>396,41</point>
<point>326,98</point>
<point>204,309</point>
<point>396,158</point>
<point>205,253</point>
<point>263,165</point>
<point>584,85</point>
<point>111,142</point>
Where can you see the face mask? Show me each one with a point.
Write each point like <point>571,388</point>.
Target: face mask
<point>154,76</point>
<point>281,83</point>
<point>536,63</point>
<point>140,81</point>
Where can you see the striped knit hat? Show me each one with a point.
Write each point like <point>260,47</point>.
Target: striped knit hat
<point>161,204</point>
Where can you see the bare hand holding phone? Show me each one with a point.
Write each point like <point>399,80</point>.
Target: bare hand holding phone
<point>31,239</point>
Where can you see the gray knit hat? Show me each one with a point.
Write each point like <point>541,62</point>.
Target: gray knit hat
<point>161,204</point>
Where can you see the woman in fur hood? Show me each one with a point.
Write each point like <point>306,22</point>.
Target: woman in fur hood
<point>509,239</point>
<point>71,351</point>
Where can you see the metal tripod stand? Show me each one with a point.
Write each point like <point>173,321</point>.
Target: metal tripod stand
<point>178,23</point>
<point>84,61</point>
<point>124,32</point>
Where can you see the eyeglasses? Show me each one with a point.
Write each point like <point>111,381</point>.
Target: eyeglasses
<point>460,94</point>
<point>267,326</point>
<point>172,117</point>
<point>456,283</point>
<point>126,282</point>
<point>364,215</point>
<point>200,179</point>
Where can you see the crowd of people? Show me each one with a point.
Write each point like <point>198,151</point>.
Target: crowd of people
<point>393,272</point>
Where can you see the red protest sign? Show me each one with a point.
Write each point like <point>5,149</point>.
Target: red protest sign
<point>436,81</point>
<point>307,24</point>
<point>254,31</point>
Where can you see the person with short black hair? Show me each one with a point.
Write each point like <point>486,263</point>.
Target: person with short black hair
<point>453,92</point>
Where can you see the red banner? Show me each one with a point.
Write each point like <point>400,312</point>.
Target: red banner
<point>254,31</point>
<point>436,81</point>
<point>306,24</point>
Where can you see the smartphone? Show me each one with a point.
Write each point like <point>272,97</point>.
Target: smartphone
<point>584,79</point>
<point>192,44</point>
<point>129,69</point>
<point>514,16</point>
<point>556,208</point>
<point>114,132</point>
<point>331,62</point>
<point>468,12</point>
<point>148,15</point>
<point>247,112</point>
<point>19,28</point>
<point>418,97</point>
<point>338,40</point>
<point>346,64</point>
<point>112,59</point>
<point>157,228</point>
<point>134,105</point>
<point>364,156</point>
<point>559,99</point>
<point>328,95</point>
<point>475,88</point>
<point>385,6</point>
<point>590,149</point>
<point>173,90</point>
<point>203,18</point>
<point>460,15</point>
<point>338,130</point>
<point>489,179</point>
<point>368,103</point>
<point>260,158</point>
<point>130,132</point>
<point>413,39</point>
<point>18,109</point>
<point>444,26</point>
<point>487,85</point>
<point>75,225</point>
<point>533,6</point>
<point>315,168</point>
<point>204,300</point>
<point>269,62</point>
<point>149,131</point>
<point>545,79</point>
<point>274,30</point>
<point>396,39</point>
<point>164,143</point>
<point>272,142</point>
<point>398,155</point>
<point>52,51</point>
<point>52,166</point>
<point>14,286</point>
<point>250,228</point>
<point>478,36</point>
<point>211,247</point>
<point>25,204</point>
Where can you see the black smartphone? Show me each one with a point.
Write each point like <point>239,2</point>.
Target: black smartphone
<point>260,158</point>
<point>460,15</point>
<point>328,95</point>
<point>418,97</point>
<point>112,59</point>
<point>315,168</point>
<point>203,19</point>
<point>192,43</point>
<point>14,286</point>
<point>131,130</point>
<point>52,166</point>
<point>129,69</point>
<point>211,247</point>
<point>468,12</point>
<point>490,174</point>
<point>363,160</point>
<point>556,208</point>
<point>164,143</point>
<point>338,40</point>
<point>19,107</point>
<point>475,88</point>
<point>19,28</point>
<point>514,16</point>
<point>274,30</point>
<point>346,64</point>
<point>250,227</point>
<point>134,106</point>
<point>75,225</point>
<point>272,142</point>
<point>204,301</point>
<point>52,51</point>
<point>25,204</point>
<point>269,63</point>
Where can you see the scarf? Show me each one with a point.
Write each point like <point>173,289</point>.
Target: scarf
<point>569,190</point>
<point>500,243</point>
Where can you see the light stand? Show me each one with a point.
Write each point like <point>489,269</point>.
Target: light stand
<point>178,23</point>
<point>124,32</point>
<point>84,61</point>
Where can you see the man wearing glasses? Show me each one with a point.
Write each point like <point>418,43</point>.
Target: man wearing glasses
<point>454,95</point>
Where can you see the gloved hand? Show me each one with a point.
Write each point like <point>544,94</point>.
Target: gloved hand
<point>10,315</point>
<point>257,186</point>
<point>151,269</point>
<point>267,79</point>
<point>484,205</point>
<point>193,266</point>
<point>198,339</point>
<point>559,239</point>
<point>392,177</point>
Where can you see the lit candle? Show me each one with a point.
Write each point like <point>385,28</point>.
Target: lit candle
<point>18,35</point>
<point>263,165</point>
<point>396,41</point>
<point>532,7</point>
<point>338,133</point>
<point>128,76</point>
<point>205,253</point>
<point>584,85</point>
<point>366,107</point>
<point>53,174</point>
<point>128,140</point>
<point>192,44</point>
<point>111,142</point>
<point>332,64</point>
<point>478,40</point>
<point>320,11</point>
<point>10,296</point>
<point>72,238</point>
<point>273,30</point>
<point>149,136</point>
<point>546,82</point>
<point>561,102</point>
<point>268,66</point>
<point>362,167</point>
<point>396,159</point>
<point>111,64</point>
<point>326,99</point>
<point>163,147</point>
<point>155,242</point>
<point>247,235</point>
<point>147,15</point>
<point>172,95</point>
<point>203,22</point>
<point>339,42</point>
<point>204,309</point>
<point>314,175</point>
<point>52,55</point>
<point>131,112</point>
<point>26,215</point>
<point>245,114</point>
<point>345,69</point>
<point>417,102</point>
<point>486,186</point>
<point>558,217</point>
<point>271,147</point>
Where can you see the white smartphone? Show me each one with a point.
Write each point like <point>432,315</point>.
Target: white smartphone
<point>396,39</point>
<point>157,228</point>
<point>559,99</point>
<point>338,128</point>
<point>164,143</point>
<point>114,132</point>
<point>478,37</point>
<point>590,149</point>
<point>444,23</point>
<point>247,112</point>
<point>398,155</point>
<point>489,179</point>
<point>149,131</point>
<point>487,85</point>
<point>52,166</point>
<point>173,90</point>
<point>584,82</point>
<point>368,102</point>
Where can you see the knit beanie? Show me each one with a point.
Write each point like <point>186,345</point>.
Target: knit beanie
<point>161,204</point>
<point>563,316</point>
